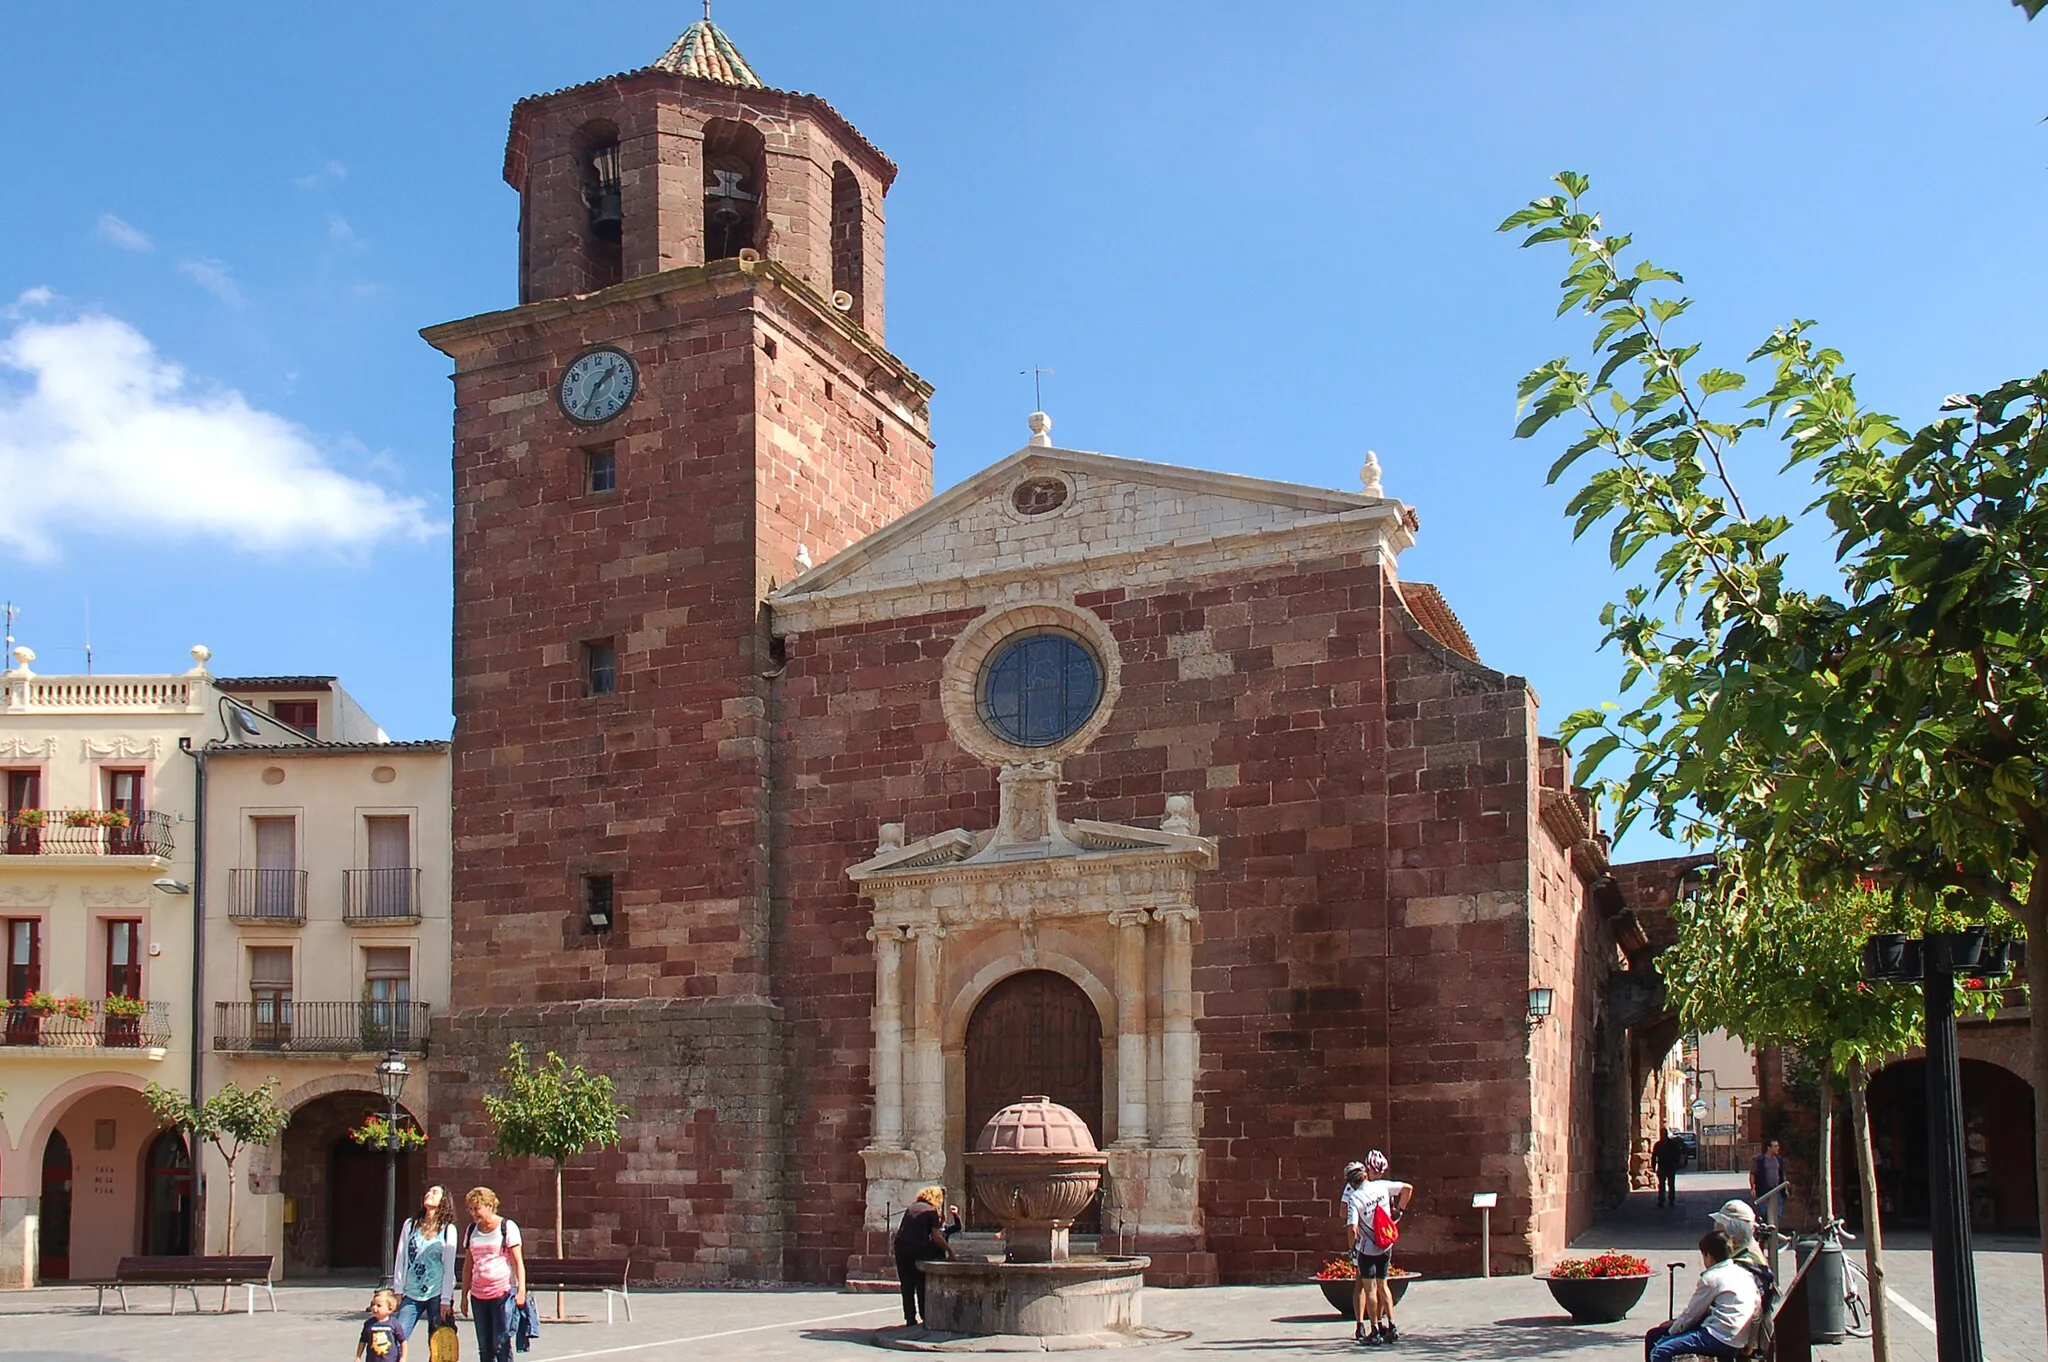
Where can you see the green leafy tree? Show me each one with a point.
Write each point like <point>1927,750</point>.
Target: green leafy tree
<point>1782,970</point>
<point>1884,714</point>
<point>552,1112</point>
<point>231,1120</point>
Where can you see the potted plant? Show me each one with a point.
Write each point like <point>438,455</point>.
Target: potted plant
<point>30,818</point>
<point>1339,1283</point>
<point>25,1021</point>
<point>1598,1290</point>
<point>376,1133</point>
<point>124,1019</point>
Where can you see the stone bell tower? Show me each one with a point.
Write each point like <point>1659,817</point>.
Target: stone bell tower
<point>690,404</point>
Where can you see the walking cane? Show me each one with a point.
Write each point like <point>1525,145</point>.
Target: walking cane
<point>1671,1289</point>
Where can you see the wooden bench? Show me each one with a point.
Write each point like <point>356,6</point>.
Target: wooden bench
<point>250,1271</point>
<point>583,1274</point>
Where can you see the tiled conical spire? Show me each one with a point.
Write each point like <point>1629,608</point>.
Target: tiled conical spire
<point>706,53</point>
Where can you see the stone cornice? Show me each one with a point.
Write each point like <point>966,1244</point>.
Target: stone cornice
<point>1376,533</point>
<point>468,336</point>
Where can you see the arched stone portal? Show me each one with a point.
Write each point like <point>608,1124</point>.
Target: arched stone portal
<point>1998,1139</point>
<point>335,1188</point>
<point>1036,1032</point>
<point>1097,921</point>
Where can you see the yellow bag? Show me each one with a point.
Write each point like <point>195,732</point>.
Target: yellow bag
<point>444,1345</point>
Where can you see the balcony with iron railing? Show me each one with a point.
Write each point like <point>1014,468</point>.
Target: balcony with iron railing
<point>386,894</point>
<point>45,1022</point>
<point>288,1027</point>
<point>266,895</point>
<point>88,832</point>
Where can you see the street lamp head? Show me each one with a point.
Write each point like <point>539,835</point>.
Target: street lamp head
<point>391,1075</point>
<point>164,884</point>
<point>1539,1003</point>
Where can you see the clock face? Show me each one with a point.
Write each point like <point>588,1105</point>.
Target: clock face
<point>597,385</point>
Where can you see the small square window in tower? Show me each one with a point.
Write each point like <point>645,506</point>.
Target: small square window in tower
<point>600,667</point>
<point>598,915</point>
<point>732,188</point>
<point>303,715</point>
<point>600,469</point>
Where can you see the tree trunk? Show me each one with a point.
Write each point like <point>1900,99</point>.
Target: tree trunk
<point>1873,1227</point>
<point>1824,1160</point>
<point>2035,918</point>
<point>228,1247</point>
<point>561,1249</point>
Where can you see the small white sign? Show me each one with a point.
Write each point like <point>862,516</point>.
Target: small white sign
<point>1485,1201</point>
<point>1699,1108</point>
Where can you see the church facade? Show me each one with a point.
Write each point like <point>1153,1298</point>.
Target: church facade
<point>829,816</point>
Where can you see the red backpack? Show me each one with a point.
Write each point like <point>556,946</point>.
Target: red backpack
<point>1386,1230</point>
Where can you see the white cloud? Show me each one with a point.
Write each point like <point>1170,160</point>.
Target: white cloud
<point>125,235</point>
<point>213,276</point>
<point>27,301</point>
<point>327,174</point>
<point>339,230</point>
<point>111,438</point>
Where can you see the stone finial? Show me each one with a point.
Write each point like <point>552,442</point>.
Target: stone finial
<point>1041,429</point>
<point>201,654</point>
<point>889,838</point>
<point>1180,815</point>
<point>1369,475</point>
<point>23,655</point>
<point>803,557</point>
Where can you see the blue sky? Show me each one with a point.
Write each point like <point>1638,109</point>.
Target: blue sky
<point>1247,238</point>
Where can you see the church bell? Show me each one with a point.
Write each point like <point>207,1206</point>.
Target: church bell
<point>602,193</point>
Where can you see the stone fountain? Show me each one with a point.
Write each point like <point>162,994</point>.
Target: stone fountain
<point>1036,1168</point>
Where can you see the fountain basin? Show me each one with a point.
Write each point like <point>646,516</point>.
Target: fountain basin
<point>981,1305</point>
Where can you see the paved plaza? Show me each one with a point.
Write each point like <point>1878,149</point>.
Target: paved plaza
<point>1505,1317</point>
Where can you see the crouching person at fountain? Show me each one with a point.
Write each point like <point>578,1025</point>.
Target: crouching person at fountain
<point>920,1239</point>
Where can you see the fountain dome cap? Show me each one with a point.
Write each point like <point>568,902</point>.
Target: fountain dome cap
<point>1036,1125</point>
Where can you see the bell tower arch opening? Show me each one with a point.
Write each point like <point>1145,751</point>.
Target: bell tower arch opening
<point>733,188</point>
<point>597,160</point>
<point>1034,1033</point>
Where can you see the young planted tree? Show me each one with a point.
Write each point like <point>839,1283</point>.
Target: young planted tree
<point>231,1120</point>
<point>1884,714</point>
<point>1781,969</point>
<point>552,1112</point>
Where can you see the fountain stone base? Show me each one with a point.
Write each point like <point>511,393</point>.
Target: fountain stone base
<point>986,1305</point>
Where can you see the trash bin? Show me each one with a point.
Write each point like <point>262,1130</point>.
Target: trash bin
<point>1827,1289</point>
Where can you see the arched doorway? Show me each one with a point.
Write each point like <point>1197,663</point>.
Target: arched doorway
<point>1035,1032</point>
<point>334,1188</point>
<point>167,1199</point>
<point>55,1211</point>
<point>1998,1139</point>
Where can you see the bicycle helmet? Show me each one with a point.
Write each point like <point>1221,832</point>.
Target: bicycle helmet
<point>1375,1164</point>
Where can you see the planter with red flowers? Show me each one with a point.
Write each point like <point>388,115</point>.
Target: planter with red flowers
<point>376,1132</point>
<point>1339,1284</point>
<point>1598,1290</point>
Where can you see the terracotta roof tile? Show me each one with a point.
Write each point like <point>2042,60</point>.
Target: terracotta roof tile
<point>1434,613</point>
<point>706,53</point>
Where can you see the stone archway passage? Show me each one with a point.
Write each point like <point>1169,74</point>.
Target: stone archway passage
<point>167,1196</point>
<point>335,1187</point>
<point>1035,1032</point>
<point>1998,1137</point>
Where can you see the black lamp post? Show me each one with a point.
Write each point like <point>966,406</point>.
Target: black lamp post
<point>1934,962</point>
<point>391,1076</point>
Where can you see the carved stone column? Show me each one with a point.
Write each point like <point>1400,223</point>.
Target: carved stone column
<point>1133,1126</point>
<point>927,1075</point>
<point>1177,1012</point>
<point>888,1067</point>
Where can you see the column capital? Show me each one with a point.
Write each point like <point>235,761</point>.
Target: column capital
<point>925,931</point>
<point>885,932</point>
<point>1176,912</point>
<point>1129,917</point>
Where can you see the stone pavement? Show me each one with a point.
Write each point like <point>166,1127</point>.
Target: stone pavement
<point>1442,1321</point>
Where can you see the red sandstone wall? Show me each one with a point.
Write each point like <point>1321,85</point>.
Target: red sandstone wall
<point>1330,771</point>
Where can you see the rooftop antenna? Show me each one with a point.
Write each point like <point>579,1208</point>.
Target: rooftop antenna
<point>12,615</point>
<point>88,636</point>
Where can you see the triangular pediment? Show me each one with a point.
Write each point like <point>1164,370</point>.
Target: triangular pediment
<point>990,525</point>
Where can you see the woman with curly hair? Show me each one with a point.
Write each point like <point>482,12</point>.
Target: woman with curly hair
<point>920,1239</point>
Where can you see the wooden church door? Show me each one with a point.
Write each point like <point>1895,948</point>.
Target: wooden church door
<point>1035,1032</point>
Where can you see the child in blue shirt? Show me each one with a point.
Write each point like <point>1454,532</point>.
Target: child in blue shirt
<point>383,1338</point>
